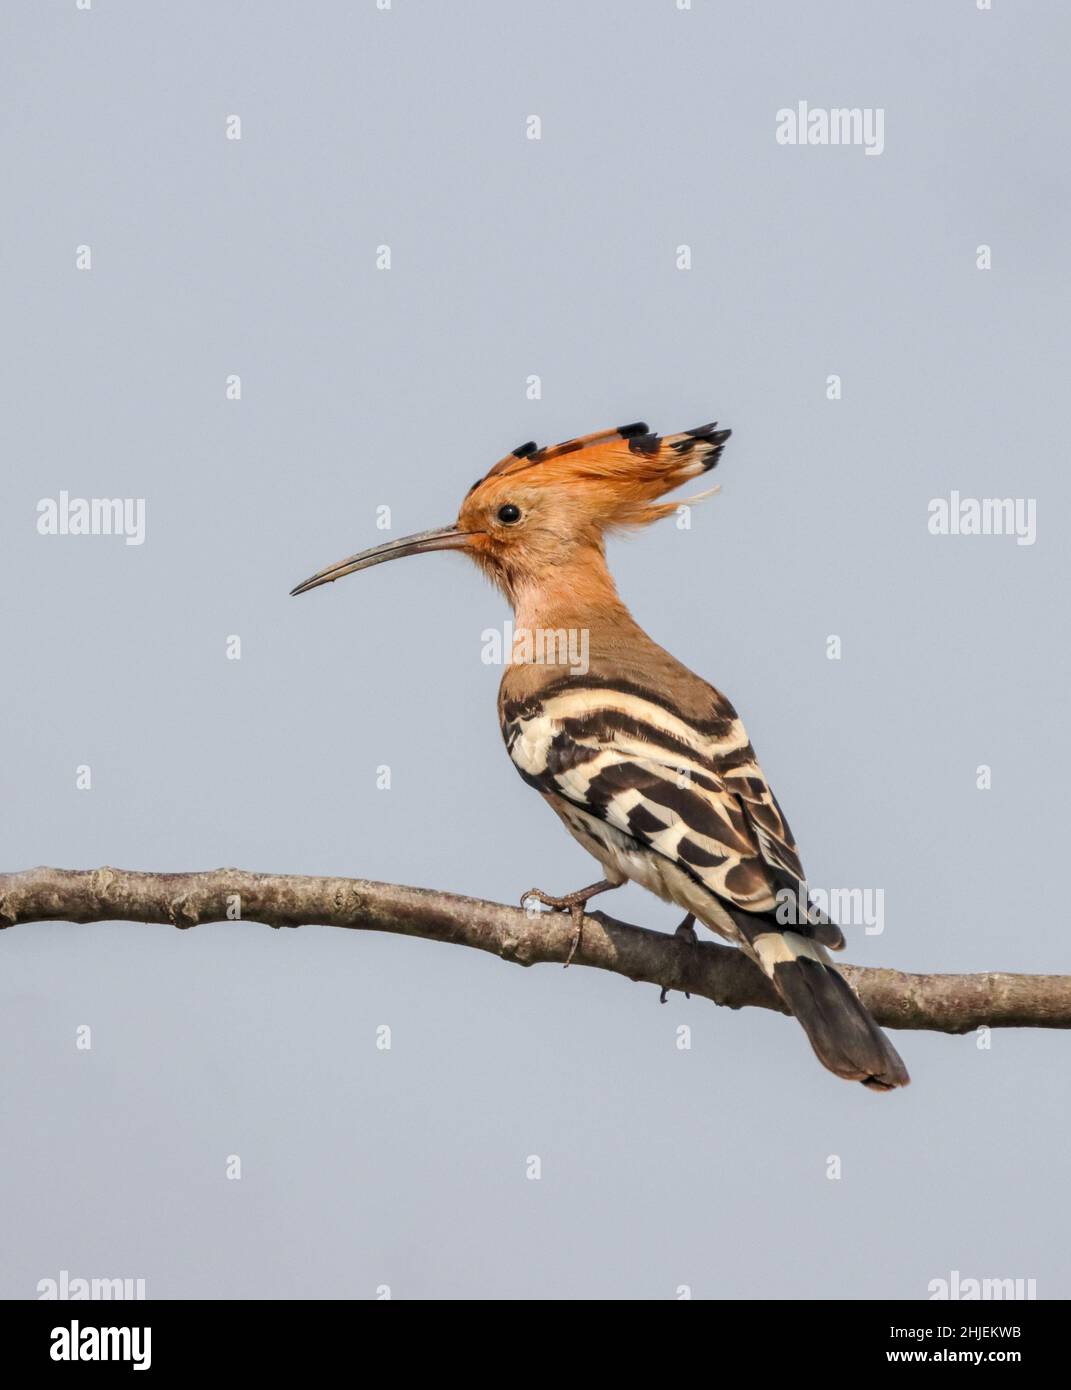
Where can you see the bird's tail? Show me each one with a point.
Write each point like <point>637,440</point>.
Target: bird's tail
<point>842,1032</point>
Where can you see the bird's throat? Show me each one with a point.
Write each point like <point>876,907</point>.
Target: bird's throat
<point>577,594</point>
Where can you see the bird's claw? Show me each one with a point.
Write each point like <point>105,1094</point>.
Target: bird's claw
<point>573,903</point>
<point>687,932</point>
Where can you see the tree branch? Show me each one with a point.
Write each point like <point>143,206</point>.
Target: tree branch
<point>942,1003</point>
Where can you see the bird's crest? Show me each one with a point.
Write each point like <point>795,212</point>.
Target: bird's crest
<point>620,471</point>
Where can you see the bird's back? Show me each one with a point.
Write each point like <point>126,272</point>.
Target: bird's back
<point>640,742</point>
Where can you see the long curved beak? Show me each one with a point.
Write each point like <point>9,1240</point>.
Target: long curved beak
<point>442,538</point>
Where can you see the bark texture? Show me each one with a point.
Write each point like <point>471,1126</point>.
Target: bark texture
<point>941,1003</point>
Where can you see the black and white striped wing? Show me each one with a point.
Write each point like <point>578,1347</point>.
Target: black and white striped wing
<point>695,799</point>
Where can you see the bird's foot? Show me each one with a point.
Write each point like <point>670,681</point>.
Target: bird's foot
<point>574,904</point>
<point>687,932</point>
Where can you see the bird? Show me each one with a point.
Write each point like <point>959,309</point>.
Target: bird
<point>648,766</point>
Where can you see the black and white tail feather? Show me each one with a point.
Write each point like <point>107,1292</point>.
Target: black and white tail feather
<point>839,1027</point>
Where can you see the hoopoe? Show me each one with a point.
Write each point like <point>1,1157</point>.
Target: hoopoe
<point>648,766</point>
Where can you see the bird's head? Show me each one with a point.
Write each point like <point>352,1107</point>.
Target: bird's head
<point>542,511</point>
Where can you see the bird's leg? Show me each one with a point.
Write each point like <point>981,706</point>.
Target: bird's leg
<point>574,904</point>
<point>687,932</point>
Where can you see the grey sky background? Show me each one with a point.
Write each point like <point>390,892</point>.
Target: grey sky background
<point>363,388</point>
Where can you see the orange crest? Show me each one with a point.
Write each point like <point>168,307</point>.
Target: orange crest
<point>612,477</point>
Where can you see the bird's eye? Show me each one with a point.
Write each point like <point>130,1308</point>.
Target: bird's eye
<point>509,513</point>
